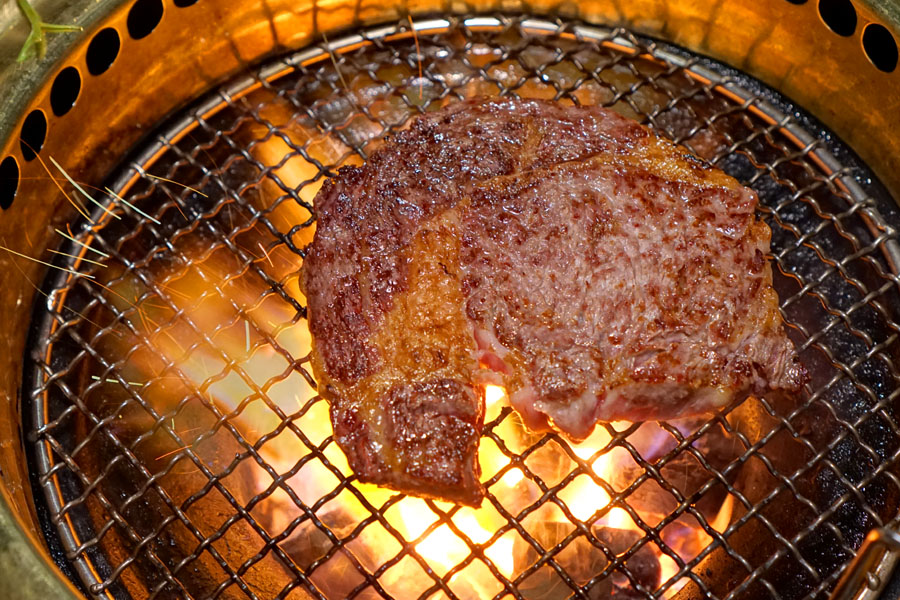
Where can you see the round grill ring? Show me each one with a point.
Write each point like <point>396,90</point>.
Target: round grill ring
<point>214,214</point>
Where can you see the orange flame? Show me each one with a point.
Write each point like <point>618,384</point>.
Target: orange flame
<point>232,369</point>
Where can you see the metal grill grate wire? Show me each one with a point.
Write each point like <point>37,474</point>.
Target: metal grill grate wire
<point>150,497</point>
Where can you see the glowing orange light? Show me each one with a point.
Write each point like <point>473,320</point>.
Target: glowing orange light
<point>232,371</point>
<point>493,394</point>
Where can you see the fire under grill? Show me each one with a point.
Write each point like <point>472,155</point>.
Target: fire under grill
<point>183,452</point>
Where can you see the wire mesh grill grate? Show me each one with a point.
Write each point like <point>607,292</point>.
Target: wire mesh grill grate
<point>183,451</point>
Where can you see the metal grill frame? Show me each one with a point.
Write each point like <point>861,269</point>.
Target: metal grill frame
<point>52,457</point>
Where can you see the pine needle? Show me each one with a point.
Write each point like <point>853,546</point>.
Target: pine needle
<point>81,189</point>
<point>175,292</point>
<point>112,291</point>
<point>93,262</point>
<point>78,206</point>
<point>187,187</point>
<point>335,62</point>
<point>266,253</point>
<point>132,206</point>
<point>110,380</point>
<point>46,263</point>
<point>82,244</point>
<point>43,293</point>
<point>175,451</point>
<point>418,56</point>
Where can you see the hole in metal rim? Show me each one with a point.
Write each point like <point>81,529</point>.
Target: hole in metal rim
<point>65,90</point>
<point>880,47</point>
<point>103,50</point>
<point>839,16</point>
<point>9,181</point>
<point>34,134</point>
<point>143,18</point>
<point>184,3</point>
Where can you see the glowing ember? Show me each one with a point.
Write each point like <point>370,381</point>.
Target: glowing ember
<point>493,394</point>
<point>587,496</point>
<point>218,332</point>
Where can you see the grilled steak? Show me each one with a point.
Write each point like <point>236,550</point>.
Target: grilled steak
<point>595,270</point>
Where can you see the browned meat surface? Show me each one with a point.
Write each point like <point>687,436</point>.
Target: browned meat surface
<point>593,269</point>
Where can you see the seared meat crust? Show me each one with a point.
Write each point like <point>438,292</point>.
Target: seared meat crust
<point>567,253</point>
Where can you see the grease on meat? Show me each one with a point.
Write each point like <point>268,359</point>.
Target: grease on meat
<point>595,270</point>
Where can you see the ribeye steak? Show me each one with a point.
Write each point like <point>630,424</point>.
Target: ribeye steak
<point>595,270</point>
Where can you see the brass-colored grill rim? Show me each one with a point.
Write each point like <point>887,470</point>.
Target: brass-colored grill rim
<point>869,238</point>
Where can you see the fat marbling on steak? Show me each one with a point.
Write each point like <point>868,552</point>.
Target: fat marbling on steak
<point>595,270</point>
